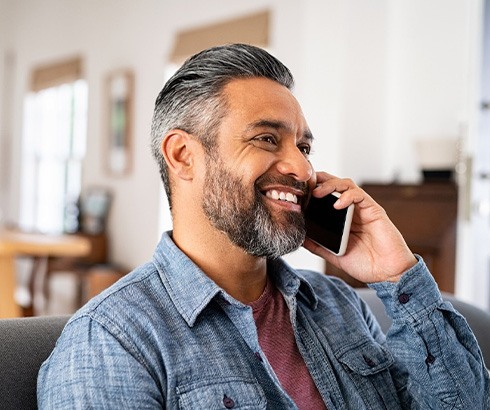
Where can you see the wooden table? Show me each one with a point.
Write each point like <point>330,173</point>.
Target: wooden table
<point>15,243</point>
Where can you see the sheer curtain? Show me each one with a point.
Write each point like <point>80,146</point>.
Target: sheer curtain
<point>54,141</point>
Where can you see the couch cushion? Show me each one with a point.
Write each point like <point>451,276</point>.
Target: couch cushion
<point>24,344</point>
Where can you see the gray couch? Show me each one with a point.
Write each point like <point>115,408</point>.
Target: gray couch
<point>26,343</point>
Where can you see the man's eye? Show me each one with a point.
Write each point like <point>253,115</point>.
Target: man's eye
<point>267,142</point>
<point>267,138</point>
<point>305,149</point>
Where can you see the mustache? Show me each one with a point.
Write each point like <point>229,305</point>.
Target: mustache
<point>285,180</point>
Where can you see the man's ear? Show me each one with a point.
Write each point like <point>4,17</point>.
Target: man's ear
<point>178,149</point>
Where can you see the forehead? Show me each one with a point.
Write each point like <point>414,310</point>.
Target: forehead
<point>253,100</point>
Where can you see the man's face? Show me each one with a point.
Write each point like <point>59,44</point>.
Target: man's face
<point>259,178</point>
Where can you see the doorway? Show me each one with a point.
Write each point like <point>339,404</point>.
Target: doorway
<point>479,173</point>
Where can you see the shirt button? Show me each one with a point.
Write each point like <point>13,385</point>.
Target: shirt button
<point>369,361</point>
<point>228,402</point>
<point>403,298</point>
<point>430,359</point>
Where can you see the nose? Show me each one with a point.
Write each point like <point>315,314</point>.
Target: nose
<point>294,163</point>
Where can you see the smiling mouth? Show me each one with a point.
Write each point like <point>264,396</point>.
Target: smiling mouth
<point>282,196</point>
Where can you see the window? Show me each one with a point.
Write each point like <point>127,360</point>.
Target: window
<point>53,147</point>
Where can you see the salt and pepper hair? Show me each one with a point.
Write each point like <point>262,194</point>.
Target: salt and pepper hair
<point>192,99</point>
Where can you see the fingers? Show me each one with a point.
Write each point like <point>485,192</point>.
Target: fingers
<point>326,184</point>
<point>349,192</point>
<point>325,179</point>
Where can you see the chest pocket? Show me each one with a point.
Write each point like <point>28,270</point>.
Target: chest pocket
<point>221,393</point>
<point>366,359</point>
<point>368,364</point>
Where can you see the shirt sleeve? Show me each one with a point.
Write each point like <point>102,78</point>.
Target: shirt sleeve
<point>91,368</point>
<point>438,360</point>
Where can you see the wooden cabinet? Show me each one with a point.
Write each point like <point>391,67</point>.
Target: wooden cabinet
<point>426,215</point>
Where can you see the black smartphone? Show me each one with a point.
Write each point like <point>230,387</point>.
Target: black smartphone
<point>327,226</point>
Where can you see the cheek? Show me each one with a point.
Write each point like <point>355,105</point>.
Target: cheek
<point>248,165</point>
<point>256,166</point>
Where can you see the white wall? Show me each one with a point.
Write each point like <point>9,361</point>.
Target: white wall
<point>382,73</point>
<point>5,32</point>
<point>372,75</point>
<point>428,82</point>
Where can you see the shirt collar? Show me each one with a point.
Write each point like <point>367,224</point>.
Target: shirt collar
<point>191,290</point>
<point>291,282</point>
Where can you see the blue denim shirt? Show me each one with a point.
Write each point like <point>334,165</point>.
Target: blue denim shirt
<point>166,336</point>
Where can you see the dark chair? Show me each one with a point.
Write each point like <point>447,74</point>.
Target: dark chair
<point>24,344</point>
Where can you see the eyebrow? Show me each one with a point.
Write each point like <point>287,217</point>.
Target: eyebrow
<point>279,125</point>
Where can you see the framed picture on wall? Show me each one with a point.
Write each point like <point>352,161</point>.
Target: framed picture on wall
<point>120,89</point>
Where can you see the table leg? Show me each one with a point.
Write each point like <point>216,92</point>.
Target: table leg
<point>39,285</point>
<point>8,307</point>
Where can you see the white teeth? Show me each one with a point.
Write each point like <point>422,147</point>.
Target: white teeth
<point>283,196</point>
<point>291,198</point>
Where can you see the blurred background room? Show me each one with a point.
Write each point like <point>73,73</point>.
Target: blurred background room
<point>396,92</point>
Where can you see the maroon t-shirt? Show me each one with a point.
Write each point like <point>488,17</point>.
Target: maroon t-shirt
<point>276,338</point>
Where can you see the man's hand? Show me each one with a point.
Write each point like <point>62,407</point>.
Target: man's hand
<point>376,251</point>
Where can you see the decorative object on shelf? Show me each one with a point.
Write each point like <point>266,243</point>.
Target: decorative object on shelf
<point>95,204</point>
<point>120,89</point>
<point>437,158</point>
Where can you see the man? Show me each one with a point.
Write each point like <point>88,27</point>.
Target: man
<point>217,319</point>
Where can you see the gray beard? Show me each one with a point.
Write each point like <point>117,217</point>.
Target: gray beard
<point>247,222</point>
